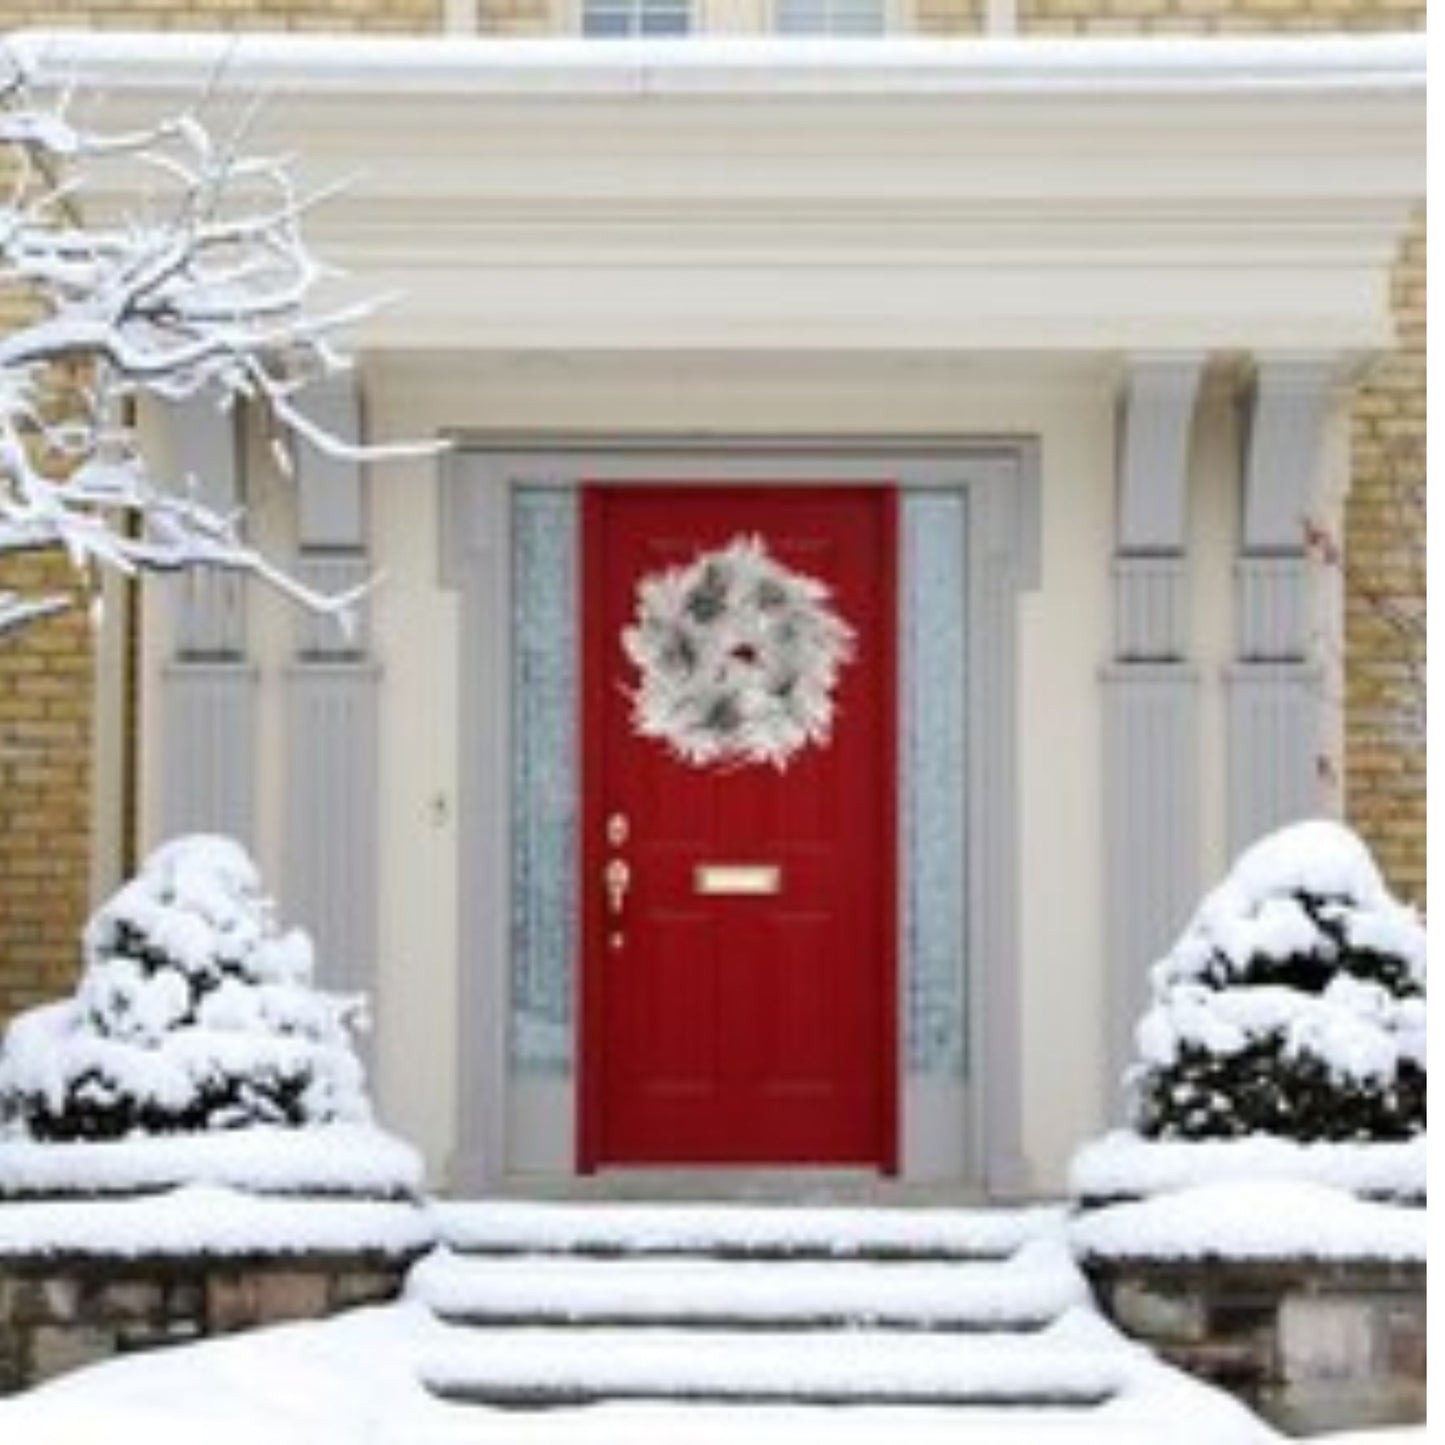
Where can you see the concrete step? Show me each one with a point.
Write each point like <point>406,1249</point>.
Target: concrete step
<point>537,1368</point>
<point>738,1232</point>
<point>1025,1292</point>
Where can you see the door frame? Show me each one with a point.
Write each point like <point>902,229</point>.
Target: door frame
<point>589,1067</point>
<point>1000,479</point>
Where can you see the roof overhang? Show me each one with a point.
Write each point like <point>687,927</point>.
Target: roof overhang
<point>859,196</point>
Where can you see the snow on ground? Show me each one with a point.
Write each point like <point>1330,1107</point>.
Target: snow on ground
<point>328,1159</point>
<point>1253,1219</point>
<point>1122,1165</point>
<point>204,1219</point>
<point>1400,1435</point>
<point>352,1381</point>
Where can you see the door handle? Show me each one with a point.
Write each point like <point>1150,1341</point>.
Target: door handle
<point>617,878</point>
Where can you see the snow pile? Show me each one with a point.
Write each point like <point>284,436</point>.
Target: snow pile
<point>1122,1165</point>
<point>1293,1004</point>
<point>1266,1219</point>
<point>355,1379</point>
<point>205,1221</point>
<point>330,1159</point>
<point>194,1012</point>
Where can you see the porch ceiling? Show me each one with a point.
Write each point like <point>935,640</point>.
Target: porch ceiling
<point>909,197</point>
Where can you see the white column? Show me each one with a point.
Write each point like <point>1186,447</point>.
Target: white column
<point>1276,690</point>
<point>330,848</point>
<point>208,779</point>
<point>1151,727</point>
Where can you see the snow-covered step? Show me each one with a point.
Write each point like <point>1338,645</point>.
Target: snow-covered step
<point>739,1232</point>
<point>1027,1291</point>
<point>550,1367</point>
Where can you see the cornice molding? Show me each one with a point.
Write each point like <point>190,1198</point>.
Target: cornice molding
<point>918,196</point>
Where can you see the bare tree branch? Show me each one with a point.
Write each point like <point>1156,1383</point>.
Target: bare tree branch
<point>203,292</point>
<point>1393,608</point>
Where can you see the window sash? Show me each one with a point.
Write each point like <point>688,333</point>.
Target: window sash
<point>831,17</point>
<point>619,19</point>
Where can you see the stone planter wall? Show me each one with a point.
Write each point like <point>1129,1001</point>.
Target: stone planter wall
<point>1311,1345</point>
<point>58,1314</point>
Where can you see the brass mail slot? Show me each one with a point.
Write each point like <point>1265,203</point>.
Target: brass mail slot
<point>738,880</point>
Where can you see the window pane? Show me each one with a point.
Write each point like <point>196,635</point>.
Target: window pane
<point>830,17</point>
<point>609,19</point>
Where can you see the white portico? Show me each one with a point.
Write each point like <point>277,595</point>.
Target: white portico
<point>1091,309</point>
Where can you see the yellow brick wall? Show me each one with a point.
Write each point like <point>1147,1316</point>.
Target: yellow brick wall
<point>948,17</point>
<point>1385,766</point>
<point>45,719</point>
<point>367,16</point>
<point>518,18</point>
<point>45,722</point>
<point>1185,17</point>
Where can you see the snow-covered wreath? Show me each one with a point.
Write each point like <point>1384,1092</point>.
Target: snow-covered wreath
<point>738,656</point>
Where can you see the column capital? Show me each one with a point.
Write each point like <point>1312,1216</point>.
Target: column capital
<point>1155,426</point>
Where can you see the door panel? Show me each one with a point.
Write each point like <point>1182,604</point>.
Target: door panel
<point>752,1028</point>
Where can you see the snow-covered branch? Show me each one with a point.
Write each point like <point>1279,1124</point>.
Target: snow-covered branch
<point>203,291</point>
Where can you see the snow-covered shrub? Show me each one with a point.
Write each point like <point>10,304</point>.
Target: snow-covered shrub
<point>1293,1004</point>
<point>194,1011</point>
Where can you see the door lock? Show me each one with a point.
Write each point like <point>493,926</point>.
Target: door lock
<point>617,877</point>
<point>617,829</point>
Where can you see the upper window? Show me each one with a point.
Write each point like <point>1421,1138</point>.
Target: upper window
<point>616,19</point>
<point>831,17</point>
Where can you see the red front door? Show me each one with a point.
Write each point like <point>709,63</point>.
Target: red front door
<point>738,826</point>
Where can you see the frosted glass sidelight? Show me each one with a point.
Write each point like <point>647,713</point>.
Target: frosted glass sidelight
<point>934,657</point>
<point>544,779</point>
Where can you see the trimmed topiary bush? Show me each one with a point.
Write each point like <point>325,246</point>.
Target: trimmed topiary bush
<point>1293,1004</point>
<point>194,1012</point>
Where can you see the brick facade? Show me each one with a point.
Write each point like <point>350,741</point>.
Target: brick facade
<point>949,17</point>
<point>1384,542</point>
<point>45,676</point>
<point>45,723</point>
<point>516,18</point>
<point>375,17</point>
<point>1221,17</point>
